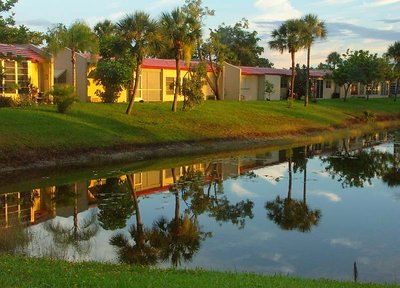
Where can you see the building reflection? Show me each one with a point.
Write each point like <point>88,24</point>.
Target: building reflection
<point>41,204</point>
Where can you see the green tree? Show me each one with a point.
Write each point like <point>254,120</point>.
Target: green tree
<point>113,75</point>
<point>289,36</point>
<point>12,34</point>
<point>333,60</point>
<point>78,37</point>
<point>181,32</point>
<point>105,28</point>
<point>300,81</point>
<point>268,89</point>
<point>243,44</point>
<point>393,52</point>
<point>192,86</point>
<point>141,32</point>
<point>313,29</point>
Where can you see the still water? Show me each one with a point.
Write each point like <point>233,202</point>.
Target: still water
<point>308,211</point>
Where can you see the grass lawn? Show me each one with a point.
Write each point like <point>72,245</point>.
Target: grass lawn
<point>41,131</point>
<point>27,272</point>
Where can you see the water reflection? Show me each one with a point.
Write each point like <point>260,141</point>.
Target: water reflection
<point>197,214</point>
<point>288,213</point>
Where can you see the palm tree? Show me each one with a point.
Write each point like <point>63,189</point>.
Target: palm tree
<point>181,31</point>
<point>393,53</point>
<point>79,37</point>
<point>105,28</point>
<point>313,28</point>
<point>141,32</point>
<point>289,36</point>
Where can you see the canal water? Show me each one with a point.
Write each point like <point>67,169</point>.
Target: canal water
<point>309,211</point>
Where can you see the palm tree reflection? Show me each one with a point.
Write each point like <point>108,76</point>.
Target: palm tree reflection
<point>78,235</point>
<point>291,214</point>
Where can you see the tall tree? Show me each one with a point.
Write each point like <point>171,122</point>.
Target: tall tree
<point>333,60</point>
<point>181,31</point>
<point>243,44</point>
<point>289,36</point>
<point>313,28</point>
<point>393,53</point>
<point>140,31</point>
<point>78,37</point>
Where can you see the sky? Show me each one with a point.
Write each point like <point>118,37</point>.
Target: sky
<point>352,24</point>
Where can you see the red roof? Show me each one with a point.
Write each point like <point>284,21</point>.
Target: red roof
<point>246,70</point>
<point>152,63</point>
<point>23,51</point>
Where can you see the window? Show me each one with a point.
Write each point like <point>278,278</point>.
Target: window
<point>328,83</point>
<point>354,89</point>
<point>15,75</point>
<point>284,82</point>
<point>170,85</point>
<point>372,89</point>
<point>9,76</point>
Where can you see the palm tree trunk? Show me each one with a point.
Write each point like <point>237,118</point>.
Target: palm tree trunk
<point>139,223</point>
<point>73,61</point>
<point>397,89</point>
<point>305,176</point>
<point>134,90</point>
<point>308,77</point>
<point>289,196</point>
<point>177,81</point>
<point>293,75</point>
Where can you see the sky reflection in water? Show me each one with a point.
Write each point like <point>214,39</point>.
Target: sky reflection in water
<point>257,213</point>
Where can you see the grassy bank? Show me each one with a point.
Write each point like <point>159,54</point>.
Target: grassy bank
<point>39,132</point>
<point>26,272</point>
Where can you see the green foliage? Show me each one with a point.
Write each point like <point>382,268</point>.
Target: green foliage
<point>63,97</point>
<point>240,45</point>
<point>11,34</point>
<point>113,75</point>
<point>268,88</point>
<point>192,87</point>
<point>300,86</point>
<point>289,36</point>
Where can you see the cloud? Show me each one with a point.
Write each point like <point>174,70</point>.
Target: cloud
<point>345,243</point>
<point>36,22</point>
<point>330,196</point>
<point>265,236</point>
<point>380,3</point>
<point>272,173</point>
<point>242,192</point>
<point>333,2</point>
<point>391,21</point>
<point>337,29</point>
<point>276,10</point>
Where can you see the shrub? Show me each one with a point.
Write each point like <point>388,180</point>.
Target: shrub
<point>6,102</point>
<point>63,97</point>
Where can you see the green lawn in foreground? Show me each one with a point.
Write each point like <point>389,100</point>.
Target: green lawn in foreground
<point>27,272</point>
<point>90,125</point>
